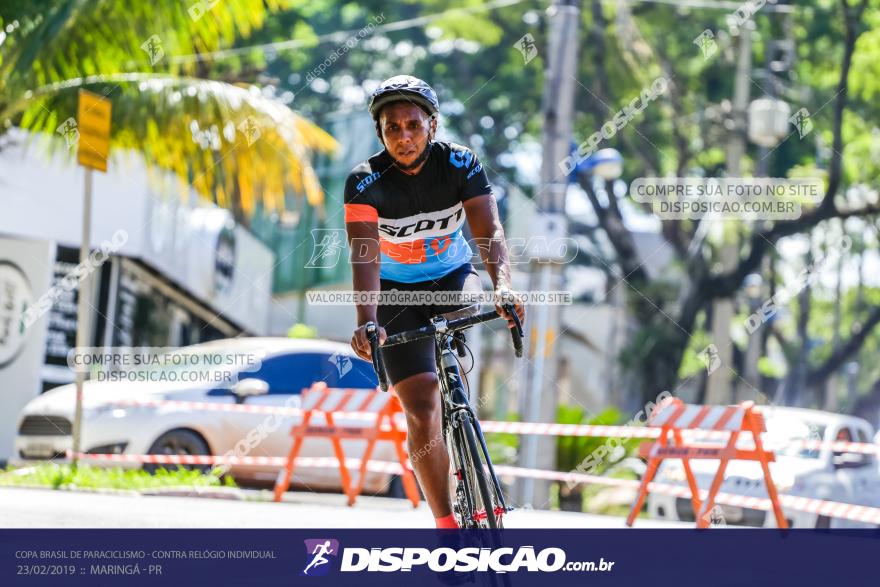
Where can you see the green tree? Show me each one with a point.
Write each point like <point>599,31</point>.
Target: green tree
<point>230,143</point>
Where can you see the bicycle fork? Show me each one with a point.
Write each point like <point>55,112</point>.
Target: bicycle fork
<point>458,408</point>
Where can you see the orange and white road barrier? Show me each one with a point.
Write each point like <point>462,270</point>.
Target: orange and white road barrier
<point>328,402</point>
<point>322,408</point>
<point>831,509</point>
<point>538,428</point>
<point>673,416</point>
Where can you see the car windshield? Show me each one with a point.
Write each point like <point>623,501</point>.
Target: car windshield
<point>784,432</point>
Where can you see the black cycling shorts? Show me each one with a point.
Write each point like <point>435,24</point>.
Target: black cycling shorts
<point>404,360</point>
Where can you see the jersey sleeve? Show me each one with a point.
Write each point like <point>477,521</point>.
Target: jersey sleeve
<point>475,182</point>
<point>358,202</point>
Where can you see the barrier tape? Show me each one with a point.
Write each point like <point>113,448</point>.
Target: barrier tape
<point>551,429</point>
<point>831,509</point>
<point>536,428</point>
<point>314,462</point>
<point>836,446</point>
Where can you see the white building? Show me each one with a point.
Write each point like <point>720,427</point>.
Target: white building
<point>184,273</point>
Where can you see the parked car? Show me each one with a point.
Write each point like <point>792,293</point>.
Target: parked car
<point>846,477</point>
<point>286,368</point>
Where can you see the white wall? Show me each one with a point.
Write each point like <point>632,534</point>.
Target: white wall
<point>174,233</point>
<point>25,273</point>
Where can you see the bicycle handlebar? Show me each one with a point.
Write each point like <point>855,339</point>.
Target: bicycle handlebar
<point>516,334</point>
<point>378,366</point>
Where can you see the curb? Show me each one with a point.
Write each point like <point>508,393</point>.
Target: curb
<point>229,493</point>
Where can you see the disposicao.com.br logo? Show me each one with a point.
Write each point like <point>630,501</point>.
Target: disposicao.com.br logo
<point>444,559</point>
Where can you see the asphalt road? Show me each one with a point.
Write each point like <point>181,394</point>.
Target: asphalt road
<point>43,508</point>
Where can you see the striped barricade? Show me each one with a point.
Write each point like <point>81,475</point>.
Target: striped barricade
<point>330,403</point>
<point>673,416</point>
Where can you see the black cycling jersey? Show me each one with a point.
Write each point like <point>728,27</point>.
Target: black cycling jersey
<point>419,216</point>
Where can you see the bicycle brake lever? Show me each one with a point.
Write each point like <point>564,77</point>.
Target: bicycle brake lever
<point>516,333</point>
<point>373,336</point>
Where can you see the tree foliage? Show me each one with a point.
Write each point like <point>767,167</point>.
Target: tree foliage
<point>231,143</point>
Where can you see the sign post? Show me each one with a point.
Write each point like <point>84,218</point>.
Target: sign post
<point>93,124</point>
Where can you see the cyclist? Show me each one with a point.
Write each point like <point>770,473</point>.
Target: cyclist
<point>404,209</point>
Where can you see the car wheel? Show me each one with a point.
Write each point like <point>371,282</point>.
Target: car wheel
<point>178,442</point>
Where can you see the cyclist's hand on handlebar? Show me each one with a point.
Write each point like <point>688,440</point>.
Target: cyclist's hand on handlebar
<point>506,296</point>
<point>361,344</point>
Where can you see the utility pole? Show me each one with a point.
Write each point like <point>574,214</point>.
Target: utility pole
<point>719,388</point>
<point>539,404</point>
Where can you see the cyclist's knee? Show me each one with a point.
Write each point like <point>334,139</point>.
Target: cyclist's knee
<point>420,397</point>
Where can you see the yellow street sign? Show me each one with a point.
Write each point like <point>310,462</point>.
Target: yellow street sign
<point>93,122</point>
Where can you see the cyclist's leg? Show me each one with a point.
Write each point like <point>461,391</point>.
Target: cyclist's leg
<point>420,396</point>
<point>411,369</point>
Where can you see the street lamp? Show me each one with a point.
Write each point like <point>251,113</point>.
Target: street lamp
<point>768,121</point>
<point>604,163</point>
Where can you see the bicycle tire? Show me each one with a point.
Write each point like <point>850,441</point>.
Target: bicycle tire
<point>485,494</point>
<point>472,454</point>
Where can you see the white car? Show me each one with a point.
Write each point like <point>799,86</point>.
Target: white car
<point>286,367</point>
<point>846,477</point>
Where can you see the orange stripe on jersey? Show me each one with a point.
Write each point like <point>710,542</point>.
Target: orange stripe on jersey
<point>440,244</point>
<point>410,252</point>
<point>360,213</point>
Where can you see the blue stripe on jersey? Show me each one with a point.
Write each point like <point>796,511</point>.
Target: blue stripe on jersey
<point>440,258</point>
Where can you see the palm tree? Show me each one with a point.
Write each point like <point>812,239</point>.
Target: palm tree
<point>230,143</point>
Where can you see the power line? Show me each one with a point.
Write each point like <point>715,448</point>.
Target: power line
<point>718,5</point>
<point>423,20</point>
<point>340,35</point>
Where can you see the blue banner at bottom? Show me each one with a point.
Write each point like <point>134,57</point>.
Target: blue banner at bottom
<point>427,557</point>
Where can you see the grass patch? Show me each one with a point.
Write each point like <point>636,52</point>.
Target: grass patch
<point>63,476</point>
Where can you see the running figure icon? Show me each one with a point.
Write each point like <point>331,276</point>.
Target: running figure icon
<point>319,552</point>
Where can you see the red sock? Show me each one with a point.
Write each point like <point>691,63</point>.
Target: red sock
<point>446,522</point>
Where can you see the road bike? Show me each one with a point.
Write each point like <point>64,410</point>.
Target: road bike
<point>478,501</point>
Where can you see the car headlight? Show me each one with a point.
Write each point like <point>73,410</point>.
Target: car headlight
<point>97,411</point>
<point>112,410</point>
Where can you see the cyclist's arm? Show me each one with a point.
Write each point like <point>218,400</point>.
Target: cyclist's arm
<point>485,225</point>
<point>363,241</point>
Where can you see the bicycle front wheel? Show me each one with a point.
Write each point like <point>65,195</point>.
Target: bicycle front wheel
<point>480,508</point>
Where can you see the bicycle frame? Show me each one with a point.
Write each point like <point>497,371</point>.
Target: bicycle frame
<point>456,406</point>
<point>458,417</point>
